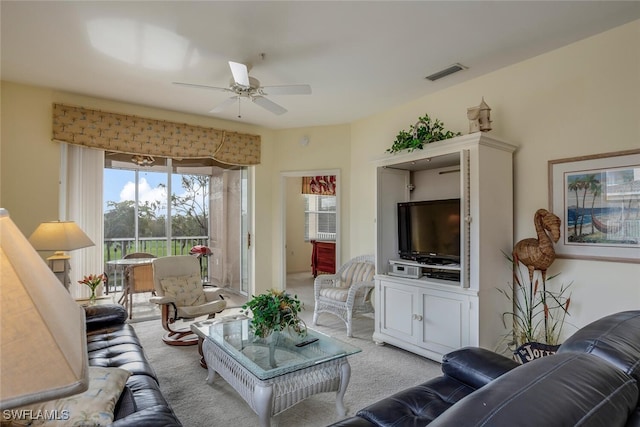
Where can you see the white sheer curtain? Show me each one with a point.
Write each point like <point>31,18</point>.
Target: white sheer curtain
<point>81,193</point>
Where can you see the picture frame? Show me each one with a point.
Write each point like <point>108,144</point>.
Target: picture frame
<point>597,198</point>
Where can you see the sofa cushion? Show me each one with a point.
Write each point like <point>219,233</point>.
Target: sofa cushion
<point>614,338</point>
<point>94,407</point>
<point>562,390</point>
<point>187,290</point>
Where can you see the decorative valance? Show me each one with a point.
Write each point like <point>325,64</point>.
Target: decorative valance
<point>322,185</point>
<point>138,135</point>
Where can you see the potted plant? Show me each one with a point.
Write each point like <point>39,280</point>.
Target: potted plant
<point>275,310</point>
<point>423,132</point>
<point>538,315</point>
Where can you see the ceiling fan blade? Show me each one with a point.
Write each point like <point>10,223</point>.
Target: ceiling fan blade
<point>223,105</point>
<point>224,89</point>
<point>269,105</point>
<point>287,90</point>
<point>240,73</point>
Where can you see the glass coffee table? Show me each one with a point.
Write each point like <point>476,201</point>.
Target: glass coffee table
<point>274,374</point>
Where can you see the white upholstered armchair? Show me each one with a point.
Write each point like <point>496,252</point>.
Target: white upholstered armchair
<point>179,292</point>
<point>347,291</point>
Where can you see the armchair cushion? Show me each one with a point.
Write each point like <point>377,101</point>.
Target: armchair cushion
<point>338,294</point>
<point>187,290</point>
<point>357,272</point>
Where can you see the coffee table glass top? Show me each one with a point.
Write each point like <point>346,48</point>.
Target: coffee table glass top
<point>264,359</point>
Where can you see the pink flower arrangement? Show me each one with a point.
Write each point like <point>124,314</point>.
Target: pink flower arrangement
<point>93,281</point>
<point>200,250</point>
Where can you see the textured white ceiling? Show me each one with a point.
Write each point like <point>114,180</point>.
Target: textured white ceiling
<point>359,57</point>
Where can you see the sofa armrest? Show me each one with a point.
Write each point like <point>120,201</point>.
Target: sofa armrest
<point>150,417</point>
<point>476,366</point>
<point>100,316</point>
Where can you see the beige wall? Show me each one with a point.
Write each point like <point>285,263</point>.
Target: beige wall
<point>328,148</point>
<point>298,251</point>
<point>30,161</point>
<point>578,100</point>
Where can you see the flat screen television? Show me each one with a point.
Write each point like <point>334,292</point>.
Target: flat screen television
<point>429,231</point>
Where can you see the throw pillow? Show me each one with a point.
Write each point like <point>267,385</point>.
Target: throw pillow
<point>187,290</point>
<point>94,407</point>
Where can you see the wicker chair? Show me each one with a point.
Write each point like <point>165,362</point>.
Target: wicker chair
<point>345,292</point>
<point>180,294</point>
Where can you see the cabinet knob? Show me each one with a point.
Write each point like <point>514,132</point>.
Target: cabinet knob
<point>417,317</point>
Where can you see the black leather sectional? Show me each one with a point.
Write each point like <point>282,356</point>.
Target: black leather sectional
<point>591,381</point>
<point>113,343</point>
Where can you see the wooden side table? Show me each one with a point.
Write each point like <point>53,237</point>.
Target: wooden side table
<point>323,257</point>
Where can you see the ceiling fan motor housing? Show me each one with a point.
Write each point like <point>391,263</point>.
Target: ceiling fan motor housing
<point>252,89</point>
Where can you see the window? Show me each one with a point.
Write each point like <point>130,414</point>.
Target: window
<point>320,217</point>
<point>154,209</point>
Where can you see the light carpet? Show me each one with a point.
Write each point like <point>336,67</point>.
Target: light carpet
<point>376,372</point>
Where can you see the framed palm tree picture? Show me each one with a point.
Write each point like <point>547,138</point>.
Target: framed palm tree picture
<point>597,197</point>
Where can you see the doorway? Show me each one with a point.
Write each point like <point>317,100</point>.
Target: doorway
<point>293,214</point>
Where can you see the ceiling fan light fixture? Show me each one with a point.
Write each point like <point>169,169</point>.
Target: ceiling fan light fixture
<point>141,160</point>
<point>446,72</point>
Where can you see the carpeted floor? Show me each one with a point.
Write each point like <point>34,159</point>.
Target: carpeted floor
<point>376,372</point>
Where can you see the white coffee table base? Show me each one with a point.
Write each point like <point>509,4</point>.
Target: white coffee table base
<point>270,397</point>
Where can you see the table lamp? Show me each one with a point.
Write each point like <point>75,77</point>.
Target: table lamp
<point>59,236</point>
<point>43,343</point>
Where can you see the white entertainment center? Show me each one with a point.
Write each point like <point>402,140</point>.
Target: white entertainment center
<point>434,308</point>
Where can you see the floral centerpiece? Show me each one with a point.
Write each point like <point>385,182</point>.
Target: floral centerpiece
<point>93,281</point>
<point>275,311</point>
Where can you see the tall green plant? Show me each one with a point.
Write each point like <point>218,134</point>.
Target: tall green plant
<point>538,313</point>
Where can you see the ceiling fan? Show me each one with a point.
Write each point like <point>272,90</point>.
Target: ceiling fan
<point>244,86</point>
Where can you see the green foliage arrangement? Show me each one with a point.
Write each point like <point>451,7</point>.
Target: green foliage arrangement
<point>538,314</point>
<point>275,311</point>
<point>423,132</point>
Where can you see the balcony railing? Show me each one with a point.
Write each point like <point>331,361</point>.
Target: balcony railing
<point>116,248</point>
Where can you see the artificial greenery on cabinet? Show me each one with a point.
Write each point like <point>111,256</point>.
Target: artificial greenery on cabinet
<point>425,131</point>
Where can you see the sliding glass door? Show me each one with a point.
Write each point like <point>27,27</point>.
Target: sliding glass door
<point>170,207</point>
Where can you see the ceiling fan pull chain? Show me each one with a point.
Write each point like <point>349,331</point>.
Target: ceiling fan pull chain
<point>239,115</point>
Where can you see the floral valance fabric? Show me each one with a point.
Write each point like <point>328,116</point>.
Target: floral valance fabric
<point>138,135</point>
<point>322,185</point>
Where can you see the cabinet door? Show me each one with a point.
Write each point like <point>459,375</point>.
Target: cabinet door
<point>397,302</point>
<point>445,325</point>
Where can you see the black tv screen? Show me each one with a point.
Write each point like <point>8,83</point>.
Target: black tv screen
<point>429,230</point>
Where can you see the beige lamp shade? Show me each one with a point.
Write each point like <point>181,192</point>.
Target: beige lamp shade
<point>59,236</point>
<point>43,345</point>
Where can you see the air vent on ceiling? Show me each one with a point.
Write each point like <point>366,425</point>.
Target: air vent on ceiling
<point>447,71</point>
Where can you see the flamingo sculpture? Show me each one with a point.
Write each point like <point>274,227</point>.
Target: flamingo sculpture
<point>538,254</point>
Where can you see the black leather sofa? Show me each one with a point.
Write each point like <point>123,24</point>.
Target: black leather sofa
<point>113,343</point>
<point>591,381</point>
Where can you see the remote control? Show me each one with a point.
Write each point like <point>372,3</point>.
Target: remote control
<point>307,342</point>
